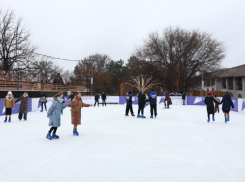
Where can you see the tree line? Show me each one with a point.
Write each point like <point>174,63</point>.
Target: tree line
<point>175,58</point>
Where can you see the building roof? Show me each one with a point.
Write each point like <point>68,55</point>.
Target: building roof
<point>238,71</point>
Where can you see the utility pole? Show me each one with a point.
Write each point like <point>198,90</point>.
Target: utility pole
<point>92,79</point>
<point>202,78</point>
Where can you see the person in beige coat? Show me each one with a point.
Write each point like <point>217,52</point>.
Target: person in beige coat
<point>76,106</point>
<point>9,104</point>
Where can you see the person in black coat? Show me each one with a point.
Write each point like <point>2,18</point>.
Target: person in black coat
<point>209,101</point>
<point>96,98</point>
<point>141,103</point>
<point>43,99</point>
<point>71,96</point>
<point>129,104</point>
<point>184,98</point>
<point>227,104</point>
<point>103,99</point>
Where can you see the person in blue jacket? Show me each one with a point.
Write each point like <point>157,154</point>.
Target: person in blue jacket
<point>129,104</point>
<point>153,103</point>
<point>141,104</point>
<point>54,114</point>
<point>227,104</point>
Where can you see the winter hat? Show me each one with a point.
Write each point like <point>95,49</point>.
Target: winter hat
<point>10,93</point>
<point>210,92</point>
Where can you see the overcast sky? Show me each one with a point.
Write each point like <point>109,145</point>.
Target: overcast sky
<point>74,29</point>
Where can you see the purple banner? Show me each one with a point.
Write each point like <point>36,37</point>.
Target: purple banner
<point>16,108</point>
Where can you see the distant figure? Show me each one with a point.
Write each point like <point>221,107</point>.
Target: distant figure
<point>129,104</point>
<point>184,98</point>
<point>168,100</point>
<point>227,104</point>
<point>9,104</point>
<point>43,99</point>
<point>141,104</point>
<point>71,96</point>
<point>216,105</point>
<point>23,110</point>
<point>209,101</point>
<point>96,98</point>
<point>103,99</point>
<point>153,103</point>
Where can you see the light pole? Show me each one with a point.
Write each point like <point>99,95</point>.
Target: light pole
<point>202,78</point>
<point>92,79</point>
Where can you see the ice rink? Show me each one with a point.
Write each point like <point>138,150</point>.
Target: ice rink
<point>178,146</point>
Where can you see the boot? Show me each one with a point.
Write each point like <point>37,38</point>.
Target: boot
<point>54,136</point>
<point>49,136</point>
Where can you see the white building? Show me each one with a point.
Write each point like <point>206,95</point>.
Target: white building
<point>228,80</point>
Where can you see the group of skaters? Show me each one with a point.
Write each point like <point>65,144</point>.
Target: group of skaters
<point>97,97</point>
<point>143,100</point>
<point>226,107</point>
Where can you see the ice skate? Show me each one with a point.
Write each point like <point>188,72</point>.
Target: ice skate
<point>208,120</point>
<point>133,114</point>
<point>9,120</point>
<point>213,118</point>
<point>126,114</point>
<point>74,132</point>
<point>41,111</point>
<point>225,120</point>
<point>228,118</point>
<point>54,136</point>
<point>155,116</point>
<point>46,109</point>
<point>49,136</point>
<point>138,116</point>
<point>142,116</point>
<point>5,120</point>
<point>25,119</point>
<point>151,117</point>
<point>20,119</point>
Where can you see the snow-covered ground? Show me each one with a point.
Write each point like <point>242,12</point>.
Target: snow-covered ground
<point>178,146</point>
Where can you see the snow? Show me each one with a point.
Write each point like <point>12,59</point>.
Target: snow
<point>178,146</point>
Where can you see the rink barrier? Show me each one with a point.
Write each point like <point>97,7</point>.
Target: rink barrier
<point>35,104</point>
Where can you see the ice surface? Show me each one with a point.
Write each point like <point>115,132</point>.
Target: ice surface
<point>178,146</point>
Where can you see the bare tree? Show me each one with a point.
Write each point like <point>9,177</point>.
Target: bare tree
<point>177,56</point>
<point>16,50</point>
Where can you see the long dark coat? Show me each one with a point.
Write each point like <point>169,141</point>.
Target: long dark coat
<point>209,101</point>
<point>24,104</point>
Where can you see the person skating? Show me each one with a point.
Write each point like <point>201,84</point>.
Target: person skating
<point>76,106</point>
<point>226,107</point>
<point>96,98</point>
<point>209,101</point>
<point>216,105</point>
<point>168,100</point>
<point>9,104</point>
<point>103,99</point>
<point>23,110</point>
<point>153,103</point>
<point>43,99</point>
<point>129,104</point>
<point>183,98</point>
<point>141,104</point>
<point>54,114</point>
<point>71,96</point>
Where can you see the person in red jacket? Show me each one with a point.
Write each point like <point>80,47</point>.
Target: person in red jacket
<point>168,100</point>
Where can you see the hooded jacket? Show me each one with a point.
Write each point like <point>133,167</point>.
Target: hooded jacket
<point>227,102</point>
<point>141,98</point>
<point>153,98</point>
<point>97,97</point>
<point>129,99</point>
<point>9,102</point>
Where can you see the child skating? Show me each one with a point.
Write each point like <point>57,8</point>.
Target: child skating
<point>168,100</point>
<point>54,114</point>
<point>76,106</point>
<point>9,104</point>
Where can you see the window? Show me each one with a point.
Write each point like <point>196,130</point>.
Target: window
<point>238,82</point>
<point>223,83</point>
